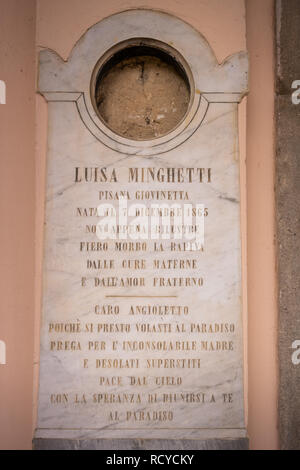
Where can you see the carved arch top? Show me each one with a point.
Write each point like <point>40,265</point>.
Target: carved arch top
<point>70,80</point>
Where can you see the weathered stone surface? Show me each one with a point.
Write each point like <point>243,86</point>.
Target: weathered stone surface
<point>288,218</point>
<point>142,97</point>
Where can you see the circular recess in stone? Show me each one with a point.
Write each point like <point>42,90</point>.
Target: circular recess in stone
<point>142,90</point>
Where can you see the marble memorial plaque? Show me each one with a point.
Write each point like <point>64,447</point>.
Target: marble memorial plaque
<point>141,327</point>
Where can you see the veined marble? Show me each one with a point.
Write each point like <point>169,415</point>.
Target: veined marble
<point>158,355</point>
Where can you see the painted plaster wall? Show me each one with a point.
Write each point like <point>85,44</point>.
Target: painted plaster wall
<point>17,220</point>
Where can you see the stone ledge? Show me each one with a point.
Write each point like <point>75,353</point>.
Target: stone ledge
<point>141,444</point>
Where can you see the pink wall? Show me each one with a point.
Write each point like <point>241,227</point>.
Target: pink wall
<point>17,209</point>
<point>262,296</point>
<point>59,24</point>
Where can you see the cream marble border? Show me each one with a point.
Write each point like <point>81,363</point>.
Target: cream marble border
<point>213,82</point>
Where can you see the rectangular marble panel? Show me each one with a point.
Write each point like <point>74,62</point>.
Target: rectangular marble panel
<point>141,338</point>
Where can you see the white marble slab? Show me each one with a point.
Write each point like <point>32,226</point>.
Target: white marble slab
<point>207,401</point>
